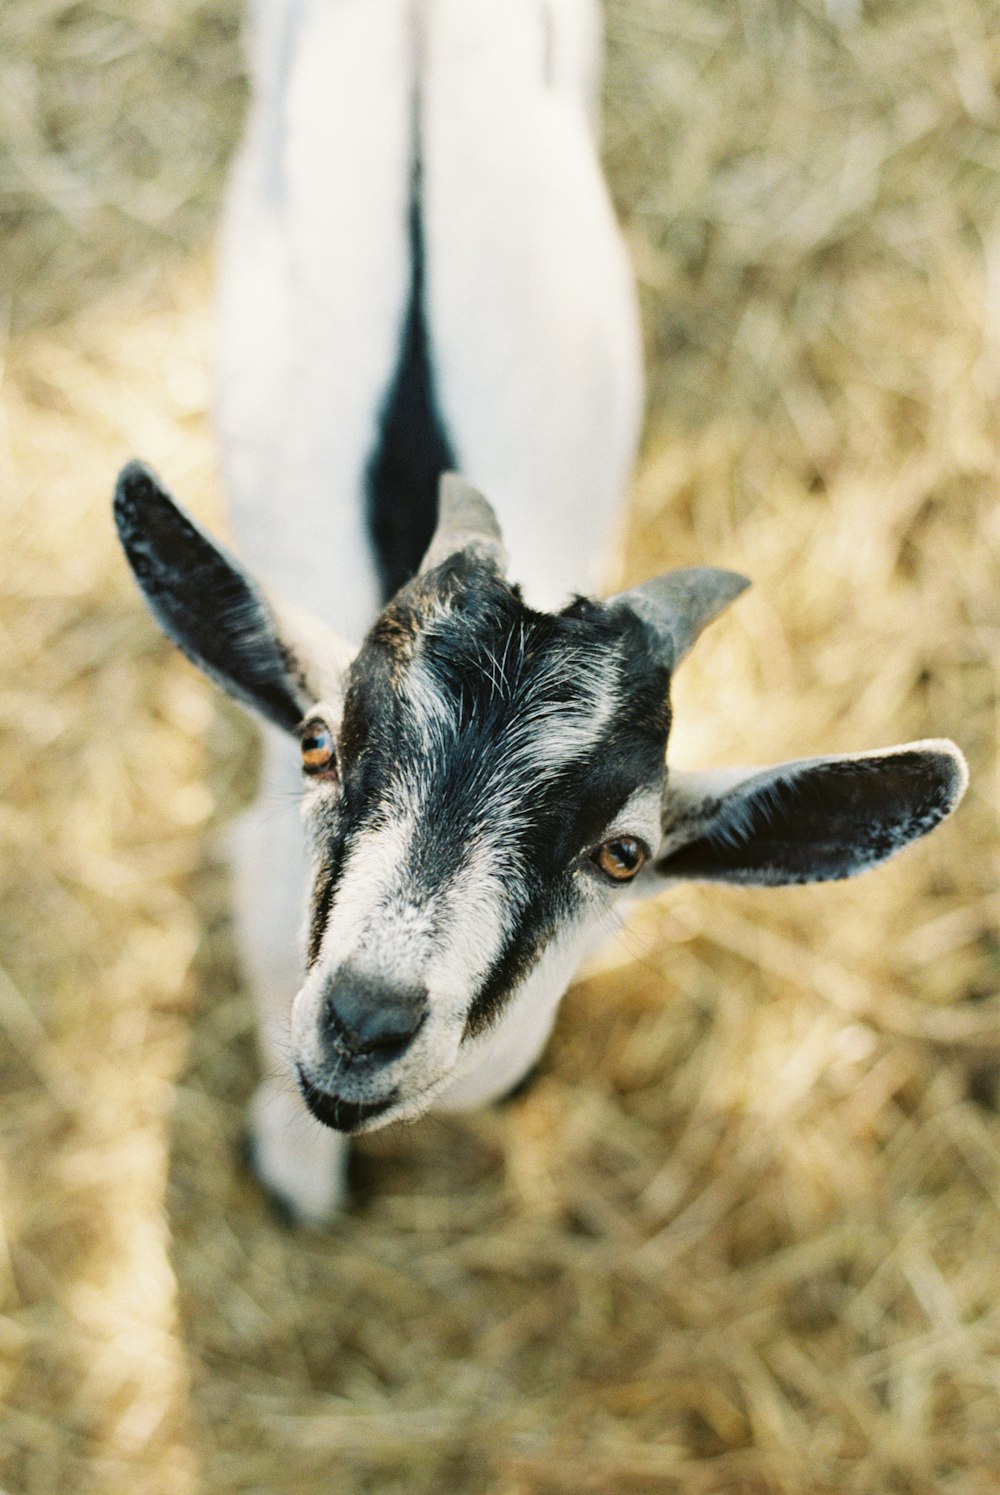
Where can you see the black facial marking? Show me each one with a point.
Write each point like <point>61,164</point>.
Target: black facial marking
<point>538,922</point>
<point>413,448</point>
<point>321,901</point>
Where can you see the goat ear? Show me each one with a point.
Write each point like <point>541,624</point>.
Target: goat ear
<point>268,655</point>
<point>466,521</point>
<point>679,604</point>
<point>816,820</point>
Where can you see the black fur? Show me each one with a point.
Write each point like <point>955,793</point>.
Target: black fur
<point>324,888</point>
<point>413,448</point>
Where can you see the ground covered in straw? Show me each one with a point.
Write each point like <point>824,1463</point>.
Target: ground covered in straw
<point>744,1234</point>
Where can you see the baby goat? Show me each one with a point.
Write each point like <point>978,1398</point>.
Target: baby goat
<point>421,271</point>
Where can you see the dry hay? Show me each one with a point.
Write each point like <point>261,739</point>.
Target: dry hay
<point>743,1235</point>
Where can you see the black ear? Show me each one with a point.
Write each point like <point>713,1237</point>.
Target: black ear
<point>207,604</point>
<point>812,821</point>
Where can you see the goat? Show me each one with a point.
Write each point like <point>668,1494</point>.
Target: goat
<point>421,271</point>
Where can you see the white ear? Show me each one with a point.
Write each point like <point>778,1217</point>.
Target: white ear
<point>815,820</point>
<point>270,655</point>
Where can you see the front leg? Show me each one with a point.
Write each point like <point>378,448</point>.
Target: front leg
<point>300,1163</point>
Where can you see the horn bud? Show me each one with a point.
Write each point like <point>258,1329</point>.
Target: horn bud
<point>678,605</point>
<point>466,521</point>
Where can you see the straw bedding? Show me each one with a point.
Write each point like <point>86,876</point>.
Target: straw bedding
<point>743,1236</point>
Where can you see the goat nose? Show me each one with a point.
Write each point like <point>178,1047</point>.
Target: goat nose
<point>366,1018</point>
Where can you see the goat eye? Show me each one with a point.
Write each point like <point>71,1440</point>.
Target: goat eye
<point>318,752</point>
<point>620,858</point>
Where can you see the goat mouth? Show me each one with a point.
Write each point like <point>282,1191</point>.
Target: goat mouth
<point>341,1115</point>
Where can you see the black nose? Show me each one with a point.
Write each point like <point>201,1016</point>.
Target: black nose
<point>363,1018</point>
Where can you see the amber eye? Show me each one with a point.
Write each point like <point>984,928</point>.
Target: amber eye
<point>620,858</point>
<point>318,752</point>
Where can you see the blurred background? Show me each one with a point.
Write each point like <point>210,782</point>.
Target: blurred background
<point>743,1236</point>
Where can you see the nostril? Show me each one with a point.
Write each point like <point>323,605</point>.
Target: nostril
<point>393,1041</point>
<point>334,1024</point>
<point>363,1018</point>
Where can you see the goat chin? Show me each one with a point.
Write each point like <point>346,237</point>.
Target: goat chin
<point>342,1114</point>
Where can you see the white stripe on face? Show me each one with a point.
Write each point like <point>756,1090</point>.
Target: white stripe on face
<point>547,736</point>
<point>448,942</point>
<point>444,937</point>
<point>445,942</point>
<point>475,912</point>
<point>434,714</point>
<point>541,735</point>
<point>369,912</point>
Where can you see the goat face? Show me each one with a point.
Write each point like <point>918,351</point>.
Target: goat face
<point>482,780</point>
<point>498,777</point>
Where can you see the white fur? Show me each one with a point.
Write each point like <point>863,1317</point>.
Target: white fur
<point>491,1065</point>
<point>546,739</point>
<point>303,1163</point>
